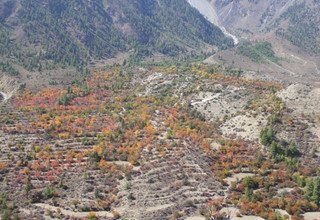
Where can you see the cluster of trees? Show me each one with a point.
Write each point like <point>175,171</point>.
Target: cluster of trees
<point>116,126</point>
<point>258,51</point>
<point>312,190</point>
<point>7,68</point>
<point>278,168</point>
<point>172,18</point>
<point>258,194</point>
<point>280,150</point>
<point>6,47</point>
<point>100,38</point>
<point>303,29</point>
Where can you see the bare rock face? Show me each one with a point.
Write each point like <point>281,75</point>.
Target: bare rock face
<point>253,15</point>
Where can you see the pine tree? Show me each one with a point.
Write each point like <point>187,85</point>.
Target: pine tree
<point>292,149</point>
<point>104,153</point>
<point>308,191</point>
<point>248,193</point>
<point>274,149</point>
<point>264,138</point>
<point>28,184</point>
<point>316,191</point>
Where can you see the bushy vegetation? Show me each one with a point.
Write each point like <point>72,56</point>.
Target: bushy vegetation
<point>258,51</point>
<point>5,213</point>
<point>6,46</point>
<point>281,150</point>
<point>7,68</point>
<point>105,124</point>
<point>312,189</point>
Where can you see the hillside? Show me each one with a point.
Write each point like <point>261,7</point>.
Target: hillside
<point>35,34</point>
<point>291,27</point>
<point>159,109</point>
<point>296,21</point>
<point>161,143</point>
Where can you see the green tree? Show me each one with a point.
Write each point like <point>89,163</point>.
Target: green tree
<point>5,214</point>
<point>308,190</point>
<point>279,216</point>
<point>274,149</point>
<point>316,191</point>
<point>104,153</point>
<point>248,193</point>
<point>267,136</point>
<point>95,157</point>
<point>48,192</point>
<point>28,184</point>
<point>249,182</point>
<point>292,150</point>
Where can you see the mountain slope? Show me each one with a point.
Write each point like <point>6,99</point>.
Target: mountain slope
<point>208,11</point>
<point>303,29</point>
<point>76,31</point>
<point>296,20</point>
<point>292,27</point>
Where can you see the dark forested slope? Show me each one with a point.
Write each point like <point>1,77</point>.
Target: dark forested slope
<point>34,32</point>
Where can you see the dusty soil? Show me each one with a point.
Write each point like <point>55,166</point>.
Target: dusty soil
<point>291,69</point>
<point>245,126</point>
<point>237,177</point>
<point>220,101</point>
<point>304,101</point>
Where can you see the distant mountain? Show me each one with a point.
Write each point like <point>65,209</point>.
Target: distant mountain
<point>278,39</point>
<point>44,32</point>
<point>297,21</point>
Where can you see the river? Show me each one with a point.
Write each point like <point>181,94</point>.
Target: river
<point>208,11</point>
<point>4,96</point>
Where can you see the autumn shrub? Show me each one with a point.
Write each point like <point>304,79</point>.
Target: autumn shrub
<point>92,216</point>
<point>2,166</point>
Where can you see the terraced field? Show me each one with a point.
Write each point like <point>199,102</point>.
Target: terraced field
<point>157,143</point>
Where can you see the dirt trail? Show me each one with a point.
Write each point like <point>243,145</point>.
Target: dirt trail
<point>305,62</point>
<point>282,68</point>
